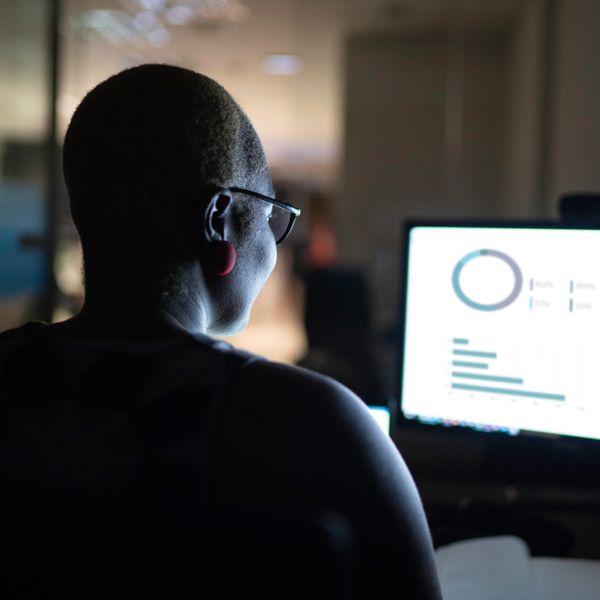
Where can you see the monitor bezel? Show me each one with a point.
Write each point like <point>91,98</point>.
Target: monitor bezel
<point>403,422</point>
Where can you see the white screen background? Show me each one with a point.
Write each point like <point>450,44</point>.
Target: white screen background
<point>540,364</point>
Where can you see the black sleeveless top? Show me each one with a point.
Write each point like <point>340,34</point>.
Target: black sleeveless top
<point>107,422</point>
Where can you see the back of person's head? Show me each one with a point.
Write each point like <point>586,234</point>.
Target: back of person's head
<point>139,154</point>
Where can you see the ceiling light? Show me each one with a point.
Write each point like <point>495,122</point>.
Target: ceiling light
<point>154,5</point>
<point>145,20</point>
<point>158,37</point>
<point>112,25</point>
<point>178,15</point>
<point>282,64</point>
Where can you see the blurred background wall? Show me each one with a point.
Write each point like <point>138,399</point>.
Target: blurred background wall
<point>371,112</point>
<point>491,116</point>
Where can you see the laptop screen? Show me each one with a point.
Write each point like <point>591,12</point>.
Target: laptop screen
<point>381,414</point>
<point>502,328</point>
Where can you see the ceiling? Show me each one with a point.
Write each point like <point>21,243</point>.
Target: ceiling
<point>298,116</point>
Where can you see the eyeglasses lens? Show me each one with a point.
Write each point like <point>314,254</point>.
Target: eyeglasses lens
<point>279,222</point>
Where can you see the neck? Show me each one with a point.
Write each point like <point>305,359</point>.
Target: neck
<point>118,310</point>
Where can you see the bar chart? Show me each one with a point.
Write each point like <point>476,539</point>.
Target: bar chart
<point>471,379</point>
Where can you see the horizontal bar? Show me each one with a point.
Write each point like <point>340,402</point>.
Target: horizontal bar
<point>493,390</point>
<point>463,341</point>
<point>487,377</point>
<point>472,365</point>
<point>474,353</point>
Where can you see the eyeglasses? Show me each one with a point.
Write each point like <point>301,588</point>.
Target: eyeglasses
<point>282,217</point>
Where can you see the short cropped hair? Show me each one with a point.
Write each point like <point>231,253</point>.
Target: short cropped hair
<point>144,144</point>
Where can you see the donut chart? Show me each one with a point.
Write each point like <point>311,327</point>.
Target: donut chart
<point>510,262</point>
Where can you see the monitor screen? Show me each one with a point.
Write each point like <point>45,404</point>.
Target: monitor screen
<point>381,414</point>
<point>502,328</point>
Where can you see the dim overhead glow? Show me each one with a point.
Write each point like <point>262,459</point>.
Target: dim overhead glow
<point>154,5</point>
<point>145,20</point>
<point>158,37</point>
<point>282,64</point>
<point>113,26</point>
<point>178,15</point>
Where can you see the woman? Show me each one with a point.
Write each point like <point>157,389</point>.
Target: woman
<point>172,198</point>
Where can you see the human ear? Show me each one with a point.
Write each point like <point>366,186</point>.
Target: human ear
<point>215,217</point>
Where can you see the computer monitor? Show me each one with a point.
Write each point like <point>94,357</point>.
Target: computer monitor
<point>501,328</point>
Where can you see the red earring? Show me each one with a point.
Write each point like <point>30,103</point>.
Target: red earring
<point>223,257</point>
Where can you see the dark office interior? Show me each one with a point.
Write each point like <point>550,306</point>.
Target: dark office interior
<point>373,114</point>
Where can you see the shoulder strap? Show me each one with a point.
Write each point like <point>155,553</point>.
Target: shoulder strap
<point>239,361</point>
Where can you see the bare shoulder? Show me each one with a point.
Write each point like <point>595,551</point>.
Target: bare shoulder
<point>281,380</point>
<point>304,397</point>
<point>292,437</point>
<point>262,371</point>
<point>306,427</point>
